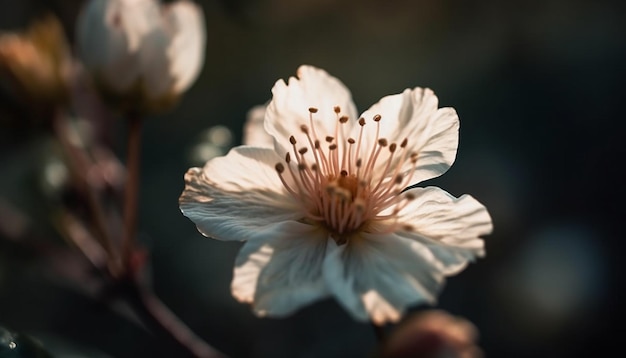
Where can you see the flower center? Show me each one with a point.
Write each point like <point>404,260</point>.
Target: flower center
<point>347,184</point>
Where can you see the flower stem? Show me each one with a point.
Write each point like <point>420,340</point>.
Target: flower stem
<point>164,322</point>
<point>78,169</point>
<point>131,189</point>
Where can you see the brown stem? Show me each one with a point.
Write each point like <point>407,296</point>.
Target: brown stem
<point>164,322</point>
<point>131,190</point>
<point>78,168</point>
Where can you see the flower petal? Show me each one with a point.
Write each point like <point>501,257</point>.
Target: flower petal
<point>186,50</point>
<point>104,43</point>
<point>254,133</point>
<point>376,277</point>
<point>235,195</point>
<point>281,270</point>
<point>431,132</point>
<point>289,107</point>
<point>157,77</point>
<point>449,227</point>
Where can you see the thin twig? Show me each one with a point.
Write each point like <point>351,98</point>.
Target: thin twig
<point>158,316</point>
<point>131,190</point>
<point>77,170</point>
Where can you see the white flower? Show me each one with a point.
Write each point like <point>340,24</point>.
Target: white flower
<point>142,48</point>
<point>323,212</point>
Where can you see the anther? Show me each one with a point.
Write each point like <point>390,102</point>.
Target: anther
<point>343,119</point>
<point>409,196</point>
<point>332,146</point>
<point>312,109</point>
<point>407,227</point>
<point>359,162</point>
<point>316,144</point>
<point>292,140</point>
<point>362,121</point>
<point>304,129</point>
<point>351,141</point>
<point>280,168</point>
<point>404,143</point>
<point>382,142</point>
<point>303,150</point>
<point>359,205</point>
<point>337,109</point>
<point>329,138</point>
<point>344,173</point>
<point>392,147</point>
<point>288,158</point>
<point>301,166</point>
<point>377,118</point>
<point>314,167</point>
<point>398,179</point>
<point>413,157</point>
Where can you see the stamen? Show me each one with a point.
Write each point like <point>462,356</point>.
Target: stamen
<point>347,185</point>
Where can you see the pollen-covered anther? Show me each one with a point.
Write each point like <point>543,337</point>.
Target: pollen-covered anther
<point>332,146</point>
<point>312,109</point>
<point>343,119</point>
<point>377,118</point>
<point>280,168</point>
<point>382,142</point>
<point>337,109</point>
<point>413,158</point>
<point>303,150</point>
<point>288,158</point>
<point>344,173</point>
<point>359,205</point>
<point>292,140</point>
<point>304,129</point>
<point>302,166</point>
<point>361,121</point>
<point>404,143</point>
<point>407,227</point>
<point>398,179</point>
<point>329,139</point>
<point>392,147</point>
<point>409,196</point>
<point>351,141</point>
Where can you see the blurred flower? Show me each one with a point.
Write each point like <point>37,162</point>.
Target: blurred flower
<point>213,142</point>
<point>142,55</point>
<point>324,212</point>
<point>432,334</point>
<point>37,61</point>
<point>254,133</point>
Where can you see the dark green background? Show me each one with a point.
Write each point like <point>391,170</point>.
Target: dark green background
<point>539,88</point>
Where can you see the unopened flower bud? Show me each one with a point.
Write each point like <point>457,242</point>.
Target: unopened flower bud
<point>37,62</point>
<point>141,54</point>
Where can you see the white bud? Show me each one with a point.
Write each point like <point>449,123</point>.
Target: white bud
<point>140,48</point>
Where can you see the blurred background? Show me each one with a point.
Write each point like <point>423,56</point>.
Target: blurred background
<point>539,88</point>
